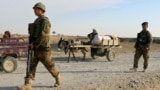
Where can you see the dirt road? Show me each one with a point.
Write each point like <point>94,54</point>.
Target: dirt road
<point>91,74</point>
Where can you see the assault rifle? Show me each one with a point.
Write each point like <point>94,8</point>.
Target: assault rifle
<point>29,58</point>
<point>30,51</point>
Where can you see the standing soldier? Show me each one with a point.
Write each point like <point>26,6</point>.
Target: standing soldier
<point>143,43</point>
<point>39,42</point>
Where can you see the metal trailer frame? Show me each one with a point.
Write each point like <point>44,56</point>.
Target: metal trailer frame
<point>12,49</point>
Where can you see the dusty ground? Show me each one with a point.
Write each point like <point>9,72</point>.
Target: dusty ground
<point>91,74</point>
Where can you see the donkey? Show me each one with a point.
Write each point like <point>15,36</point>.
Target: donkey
<point>66,46</point>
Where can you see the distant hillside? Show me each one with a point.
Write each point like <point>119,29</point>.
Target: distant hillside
<point>55,38</point>
<point>155,39</point>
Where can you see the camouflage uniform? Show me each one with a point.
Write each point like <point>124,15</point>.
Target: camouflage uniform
<point>42,48</point>
<point>144,40</point>
<point>42,52</point>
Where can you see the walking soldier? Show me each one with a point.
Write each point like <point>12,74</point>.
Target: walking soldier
<point>39,42</point>
<point>142,46</point>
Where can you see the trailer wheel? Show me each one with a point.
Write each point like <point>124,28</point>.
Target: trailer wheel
<point>9,64</point>
<point>110,55</point>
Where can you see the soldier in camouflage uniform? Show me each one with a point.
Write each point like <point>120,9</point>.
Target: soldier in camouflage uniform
<point>143,43</point>
<point>39,40</point>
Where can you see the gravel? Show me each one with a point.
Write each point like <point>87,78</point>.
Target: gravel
<point>98,74</point>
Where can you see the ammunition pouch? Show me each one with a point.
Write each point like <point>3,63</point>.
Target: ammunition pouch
<point>30,28</point>
<point>142,40</point>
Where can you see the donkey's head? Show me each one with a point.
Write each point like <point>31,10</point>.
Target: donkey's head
<point>63,44</point>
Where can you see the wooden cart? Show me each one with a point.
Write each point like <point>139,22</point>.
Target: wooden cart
<point>10,50</point>
<point>100,50</point>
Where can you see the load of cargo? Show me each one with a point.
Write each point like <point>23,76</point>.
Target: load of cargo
<point>105,40</point>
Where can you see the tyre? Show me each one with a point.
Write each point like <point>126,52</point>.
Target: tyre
<point>110,55</point>
<point>9,64</point>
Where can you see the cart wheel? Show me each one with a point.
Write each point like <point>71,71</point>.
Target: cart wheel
<point>9,64</point>
<point>110,55</point>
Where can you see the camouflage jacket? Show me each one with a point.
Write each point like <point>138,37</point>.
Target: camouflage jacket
<point>40,36</point>
<point>144,39</point>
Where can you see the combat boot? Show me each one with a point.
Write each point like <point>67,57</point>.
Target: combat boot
<point>133,69</point>
<point>58,80</point>
<point>27,85</point>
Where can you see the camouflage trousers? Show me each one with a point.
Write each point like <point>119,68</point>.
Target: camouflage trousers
<point>141,52</point>
<point>44,56</point>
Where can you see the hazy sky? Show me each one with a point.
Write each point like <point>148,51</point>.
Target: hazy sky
<point>78,17</point>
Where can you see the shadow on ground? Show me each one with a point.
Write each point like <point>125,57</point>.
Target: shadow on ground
<point>33,87</point>
<point>65,59</point>
<point>8,88</point>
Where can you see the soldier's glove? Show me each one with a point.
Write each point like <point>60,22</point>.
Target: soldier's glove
<point>146,49</point>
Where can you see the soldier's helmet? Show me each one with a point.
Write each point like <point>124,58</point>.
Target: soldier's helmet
<point>40,5</point>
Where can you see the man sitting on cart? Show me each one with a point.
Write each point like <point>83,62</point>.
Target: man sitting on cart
<point>92,35</point>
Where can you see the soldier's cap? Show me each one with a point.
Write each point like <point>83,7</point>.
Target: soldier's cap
<point>145,23</point>
<point>40,6</point>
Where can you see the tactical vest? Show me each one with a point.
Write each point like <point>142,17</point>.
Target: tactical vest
<point>143,38</point>
<point>41,33</point>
